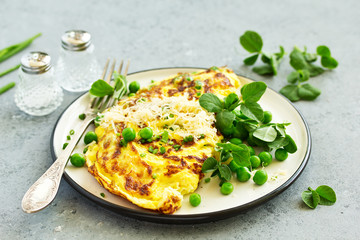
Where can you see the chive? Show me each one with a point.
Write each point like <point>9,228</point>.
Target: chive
<point>202,136</point>
<point>102,194</point>
<point>72,132</point>
<point>151,149</point>
<point>154,176</point>
<point>189,79</point>
<point>149,140</point>
<point>142,155</point>
<point>171,128</point>
<point>165,137</point>
<point>152,81</point>
<point>207,180</point>
<point>65,145</point>
<point>162,150</point>
<point>176,147</point>
<point>198,87</point>
<point>198,94</point>
<point>118,134</point>
<point>155,151</point>
<point>171,115</point>
<point>85,150</point>
<point>82,116</point>
<point>189,138</point>
<point>7,87</point>
<point>131,94</point>
<point>12,50</point>
<point>68,137</point>
<point>171,142</point>
<point>9,70</point>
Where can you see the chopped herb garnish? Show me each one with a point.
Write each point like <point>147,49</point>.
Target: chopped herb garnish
<point>198,85</point>
<point>162,150</point>
<point>142,155</point>
<point>154,176</point>
<point>189,79</point>
<point>68,137</point>
<point>102,194</point>
<point>85,150</point>
<point>118,134</point>
<point>131,94</point>
<point>65,145</point>
<point>152,81</point>
<point>82,116</point>
<point>171,115</point>
<point>176,147</point>
<point>189,138</point>
<point>171,142</point>
<point>72,132</point>
<point>198,94</point>
<point>207,180</point>
<point>155,151</point>
<point>151,149</point>
<point>202,136</point>
<point>215,68</point>
<point>165,137</point>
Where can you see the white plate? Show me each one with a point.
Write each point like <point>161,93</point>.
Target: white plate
<point>214,205</point>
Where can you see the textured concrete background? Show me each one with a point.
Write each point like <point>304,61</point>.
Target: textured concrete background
<point>189,33</point>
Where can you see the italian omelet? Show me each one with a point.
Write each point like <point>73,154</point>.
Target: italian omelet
<point>138,170</point>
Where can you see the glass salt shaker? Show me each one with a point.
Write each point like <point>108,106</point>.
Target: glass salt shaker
<point>37,93</point>
<point>77,67</point>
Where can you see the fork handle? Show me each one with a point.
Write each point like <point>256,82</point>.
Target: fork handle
<point>44,190</point>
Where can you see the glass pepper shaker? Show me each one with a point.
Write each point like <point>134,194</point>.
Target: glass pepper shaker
<point>77,67</point>
<point>37,93</point>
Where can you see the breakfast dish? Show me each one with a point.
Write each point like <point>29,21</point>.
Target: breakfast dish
<point>156,173</point>
<point>214,205</point>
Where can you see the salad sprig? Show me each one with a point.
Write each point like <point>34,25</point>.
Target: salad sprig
<point>101,88</point>
<point>243,119</point>
<point>323,195</point>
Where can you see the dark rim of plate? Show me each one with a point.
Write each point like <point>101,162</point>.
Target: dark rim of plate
<point>193,218</point>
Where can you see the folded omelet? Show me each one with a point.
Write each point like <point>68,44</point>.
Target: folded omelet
<point>155,179</point>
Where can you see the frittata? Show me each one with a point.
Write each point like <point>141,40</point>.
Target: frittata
<point>156,173</point>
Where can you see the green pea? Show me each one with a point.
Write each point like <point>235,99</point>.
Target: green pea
<point>233,166</point>
<point>255,161</point>
<point>77,160</point>
<point>260,177</point>
<point>195,199</point>
<point>128,134</point>
<point>146,133</point>
<point>281,154</point>
<point>265,158</point>
<point>226,188</point>
<point>243,174</point>
<point>291,147</point>
<point>134,87</point>
<point>236,141</point>
<point>90,137</point>
<point>267,117</point>
<point>252,150</point>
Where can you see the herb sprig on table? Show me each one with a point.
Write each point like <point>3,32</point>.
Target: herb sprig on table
<point>323,195</point>
<point>11,51</point>
<point>303,63</point>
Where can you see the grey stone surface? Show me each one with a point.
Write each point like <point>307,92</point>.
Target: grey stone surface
<point>157,34</point>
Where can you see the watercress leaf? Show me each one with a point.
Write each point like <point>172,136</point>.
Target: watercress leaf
<point>224,120</point>
<point>279,142</point>
<point>263,70</point>
<point>314,70</point>
<point>323,51</point>
<point>100,88</point>
<point>230,146</point>
<point>215,173</point>
<point>297,59</point>
<point>329,62</point>
<point>225,155</point>
<point>280,128</point>
<point>210,102</point>
<point>291,92</point>
<point>231,101</point>
<point>250,125</point>
<point>120,85</point>
<point>274,64</point>
<point>252,110</point>
<point>240,153</point>
<point>293,77</point>
<point>304,75</point>
<point>210,164</point>
<point>252,92</point>
<point>251,41</point>
<point>316,198</point>
<point>307,197</point>
<point>265,57</point>
<point>308,92</point>
<point>251,60</point>
<point>225,172</point>
<point>327,195</point>
<point>310,57</point>
<point>265,133</point>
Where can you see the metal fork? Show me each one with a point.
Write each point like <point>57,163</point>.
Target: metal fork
<point>44,190</point>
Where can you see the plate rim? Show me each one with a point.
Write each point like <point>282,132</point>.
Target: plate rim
<point>194,218</point>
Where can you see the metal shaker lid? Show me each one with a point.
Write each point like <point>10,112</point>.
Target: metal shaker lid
<point>35,62</point>
<point>76,40</point>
